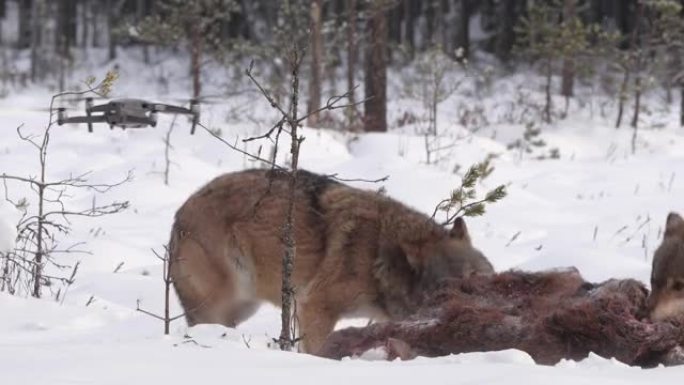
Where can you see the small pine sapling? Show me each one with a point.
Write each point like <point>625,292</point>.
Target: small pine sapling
<point>433,83</point>
<point>531,140</point>
<point>463,200</point>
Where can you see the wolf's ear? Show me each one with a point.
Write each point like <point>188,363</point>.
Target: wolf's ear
<point>412,252</point>
<point>674,225</point>
<point>460,230</point>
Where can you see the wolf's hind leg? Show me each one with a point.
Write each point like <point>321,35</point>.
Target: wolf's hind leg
<point>222,310</point>
<point>208,291</point>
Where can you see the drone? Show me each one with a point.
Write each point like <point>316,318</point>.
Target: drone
<point>128,113</point>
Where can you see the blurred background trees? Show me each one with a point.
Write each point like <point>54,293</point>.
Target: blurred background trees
<point>359,41</point>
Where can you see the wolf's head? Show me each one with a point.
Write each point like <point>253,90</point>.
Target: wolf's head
<point>447,256</point>
<point>667,277</point>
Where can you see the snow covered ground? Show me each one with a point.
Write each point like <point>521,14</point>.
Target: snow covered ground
<point>598,208</point>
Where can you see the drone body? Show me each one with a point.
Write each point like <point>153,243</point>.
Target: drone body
<point>127,113</point>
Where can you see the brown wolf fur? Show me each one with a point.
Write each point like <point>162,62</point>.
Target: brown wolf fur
<point>667,276</point>
<point>358,252</point>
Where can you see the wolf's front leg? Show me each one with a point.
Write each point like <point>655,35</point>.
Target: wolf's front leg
<point>316,321</point>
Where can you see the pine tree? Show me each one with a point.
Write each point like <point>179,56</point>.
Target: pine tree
<point>668,43</point>
<point>545,38</point>
<point>197,24</point>
<point>655,40</point>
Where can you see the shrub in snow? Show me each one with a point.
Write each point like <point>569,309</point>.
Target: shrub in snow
<point>8,230</point>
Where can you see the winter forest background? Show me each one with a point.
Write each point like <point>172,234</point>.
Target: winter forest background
<point>575,106</point>
<point>617,49</point>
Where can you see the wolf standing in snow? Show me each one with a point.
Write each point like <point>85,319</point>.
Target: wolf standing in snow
<point>359,253</point>
<point>667,277</point>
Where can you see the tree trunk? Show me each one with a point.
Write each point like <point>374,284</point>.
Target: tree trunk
<point>3,15</point>
<point>443,26</point>
<point>112,16</point>
<point>351,61</point>
<point>86,8</point>
<point>66,26</point>
<point>395,19</point>
<point>568,80</point>
<point>71,22</point>
<point>288,311</point>
<point>547,89</point>
<point>95,26</point>
<point>333,55</point>
<point>637,100</point>
<point>622,98</point>
<point>506,34</point>
<point>61,68</point>
<point>316,60</point>
<point>196,60</point>
<point>36,27</point>
<point>681,106</point>
<point>409,26</point>
<point>376,70</point>
<point>434,102</point>
<point>38,261</point>
<point>623,14</point>
<point>168,281</point>
<point>632,63</point>
<point>637,108</point>
<point>25,24</point>
<point>429,12</point>
<point>246,31</point>
<point>638,63</point>
<point>142,12</point>
<point>40,231</point>
<point>462,38</point>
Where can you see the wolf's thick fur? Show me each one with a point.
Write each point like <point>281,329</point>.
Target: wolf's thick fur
<point>358,252</point>
<point>667,277</point>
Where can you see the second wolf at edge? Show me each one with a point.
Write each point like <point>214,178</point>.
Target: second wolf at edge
<point>359,253</point>
<point>666,300</point>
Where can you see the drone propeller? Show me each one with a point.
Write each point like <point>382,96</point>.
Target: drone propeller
<point>202,99</point>
<point>47,109</point>
<point>39,109</point>
<point>80,98</point>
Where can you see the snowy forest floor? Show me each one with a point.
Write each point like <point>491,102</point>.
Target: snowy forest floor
<point>598,207</point>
